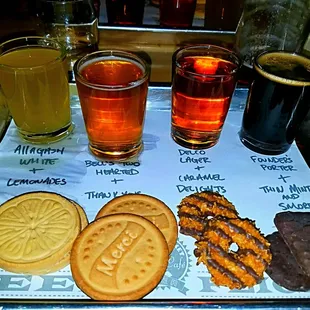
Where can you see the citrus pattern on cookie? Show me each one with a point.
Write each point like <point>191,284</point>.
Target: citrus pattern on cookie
<point>37,229</point>
<point>148,207</point>
<point>64,261</point>
<point>119,257</point>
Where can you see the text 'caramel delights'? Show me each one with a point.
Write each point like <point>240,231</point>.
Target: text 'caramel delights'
<point>214,222</point>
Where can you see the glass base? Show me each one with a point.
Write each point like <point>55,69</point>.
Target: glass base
<point>262,147</point>
<point>114,155</point>
<point>195,139</point>
<point>47,138</point>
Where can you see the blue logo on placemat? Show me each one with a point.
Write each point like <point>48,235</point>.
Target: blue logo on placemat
<point>178,268</point>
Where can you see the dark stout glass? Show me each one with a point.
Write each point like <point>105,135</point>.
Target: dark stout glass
<point>278,101</point>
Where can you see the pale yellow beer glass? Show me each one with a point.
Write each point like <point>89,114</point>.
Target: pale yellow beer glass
<point>34,83</point>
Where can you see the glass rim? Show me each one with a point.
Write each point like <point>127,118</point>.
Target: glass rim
<point>276,78</point>
<point>108,53</point>
<point>209,46</point>
<point>61,48</point>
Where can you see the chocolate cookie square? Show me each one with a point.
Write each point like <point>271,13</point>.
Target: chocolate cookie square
<point>294,228</point>
<point>283,268</point>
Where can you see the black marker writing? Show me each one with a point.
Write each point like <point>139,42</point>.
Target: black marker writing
<point>42,161</point>
<point>278,168</point>
<point>106,195</point>
<point>90,163</point>
<point>274,160</point>
<point>294,206</point>
<point>48,181</point>
<point>191,160</point>
<point>192,153</point>
<point>200,177</point>
<point>191,188</point>
<point>290,197</point>
<point>293,188</point>
<point>27,150</point>
<point>117,172</point>
<point>270,189</point>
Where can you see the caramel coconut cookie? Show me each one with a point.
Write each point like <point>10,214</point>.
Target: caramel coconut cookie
<point>37,231</point>
<point>195,210</point>
<point>234,269</point>
<point>148,207</point>
<point>119,257</point>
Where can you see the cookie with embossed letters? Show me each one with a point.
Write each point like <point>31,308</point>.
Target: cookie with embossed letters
<point>119,257</point>
<point>37,231</point>
<point>146,206</point>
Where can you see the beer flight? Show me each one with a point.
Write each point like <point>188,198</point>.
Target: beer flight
<point>112,87</point>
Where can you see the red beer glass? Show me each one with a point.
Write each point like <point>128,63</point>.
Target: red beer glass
<point>202,88</point>
<point>177,13</point>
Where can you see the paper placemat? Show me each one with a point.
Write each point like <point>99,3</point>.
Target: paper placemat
<point>259,186</point>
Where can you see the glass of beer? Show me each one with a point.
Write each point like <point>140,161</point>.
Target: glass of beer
<point>112,87</point>
<point>202,88</point>
<point>125,12</point>
<point>177,13</point>
<point>278,101</point>
<point>34,83</point>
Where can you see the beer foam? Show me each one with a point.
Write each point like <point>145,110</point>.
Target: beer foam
<point>283,61</point>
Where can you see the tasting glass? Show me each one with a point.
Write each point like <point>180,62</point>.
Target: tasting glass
<point>277,103</point>
<point>203,85</point>
<point>112,87</point>
<point>177,13</point>
<point>34,85</point>
<point>125,12</point>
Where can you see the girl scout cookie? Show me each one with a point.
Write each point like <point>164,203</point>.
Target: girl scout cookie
<point>119,257</point>
<point>148,207</point>
<point>66,259</point>
<point>37,230</point>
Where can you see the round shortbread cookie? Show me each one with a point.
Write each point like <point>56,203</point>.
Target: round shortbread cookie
<point>83,216</point>
<point>119,257</point>
<point>66,259</point>
<point>148,207</point>
<point>37,230</point>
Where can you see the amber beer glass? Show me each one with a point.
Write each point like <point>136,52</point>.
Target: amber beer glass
<point>278,101</point>
<point>112,87</point>
<point>202,88</point>
<point>34,84</point>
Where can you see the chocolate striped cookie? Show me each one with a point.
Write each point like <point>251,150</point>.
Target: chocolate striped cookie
<point>236,269</point>
<point>195,211</point>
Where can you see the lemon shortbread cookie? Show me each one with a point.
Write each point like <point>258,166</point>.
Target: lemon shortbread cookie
<point>66,259</point>
<point>37,230</point>
<point>148,207</point>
